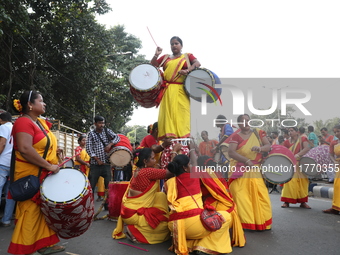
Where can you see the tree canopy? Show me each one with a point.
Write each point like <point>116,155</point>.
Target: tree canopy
<point>80,67</point>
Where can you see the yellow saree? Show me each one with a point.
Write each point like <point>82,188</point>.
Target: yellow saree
<point>336,187</point>
<point>188,232</point>
<point>145,215</point>
<point>174,111</point>
<point>31,231</point>
<point>222,200</point>
<point>249,191</point>
<point>296,190</point>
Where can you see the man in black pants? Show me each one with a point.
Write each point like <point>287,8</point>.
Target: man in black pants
<point>98,144</point>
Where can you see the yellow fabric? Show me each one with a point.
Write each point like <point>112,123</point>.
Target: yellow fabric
<point>336,193</point>
<point>31,231</point>
<point>151,198</point>
<point>250,193</point>
<point>296,190</point>
<point>174,112</point>
<point>189,234</point>
<point>100,187</point>
<point>221,204</point>
<point>85,157</point>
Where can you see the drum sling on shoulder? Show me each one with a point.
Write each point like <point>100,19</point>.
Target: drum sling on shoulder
<point>26,187</point>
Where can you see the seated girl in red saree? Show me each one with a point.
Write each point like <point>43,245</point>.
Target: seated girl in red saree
<point>144,208</point>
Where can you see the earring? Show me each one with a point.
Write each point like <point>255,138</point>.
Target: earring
<point>30,108</point>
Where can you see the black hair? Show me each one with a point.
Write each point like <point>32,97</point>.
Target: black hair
<point>205,161</point>
<point>177,38</point>
<point>281,139</point>
<point>142,154</point>
<point>137,143</point>
<point>154,126</point>
<point>221,117</point>
<point>31,95</point>
<point>285,131</point>
<point>302,130</point>
<point>295,128</point>
<point>337,127</point>
<point>176,166</point>
<point>275,132</point>
<point>242,116</point>
<point>98,118</point>
<point>324,129</point>
<point>310,129</point>
<point>205,131</point>
<point>81,138</point>
<point>6,116</point>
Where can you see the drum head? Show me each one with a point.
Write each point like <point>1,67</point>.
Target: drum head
<point>64,186</point>
<point>120,158</point>
<point>193,83</point>
<point>309,166</point>
<point>68,164</point>
<point>144,77</point>
<point>277,169</point>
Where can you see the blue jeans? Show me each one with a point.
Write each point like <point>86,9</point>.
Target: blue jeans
<point>10,203</point>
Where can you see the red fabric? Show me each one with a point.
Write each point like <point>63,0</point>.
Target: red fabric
<point>145,176</point>
<point>297,149</point>
<point>186,214</point>
<point>148,141</point>
<point>27,249</point>
<point>294,201</point>
<point>257,227</point>
<point>206,147</point>
<point>185,66</point>
<point>137,234</point>
<point>331,146</point>
<point>26,125</point>
<point>236,138</point>
<point>152,215</point>
<point>78,150</point>
<point>187,184</point>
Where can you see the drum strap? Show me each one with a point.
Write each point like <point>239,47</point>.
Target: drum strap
<point>44,156</point>
<point>166,56</point>
<point>187,59</point>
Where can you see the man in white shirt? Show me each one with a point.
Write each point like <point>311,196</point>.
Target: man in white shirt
<point>6,147</point>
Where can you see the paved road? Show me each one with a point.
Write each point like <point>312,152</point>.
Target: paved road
<point>295,231</point>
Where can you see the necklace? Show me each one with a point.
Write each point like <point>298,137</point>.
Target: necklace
<point>35,122</point>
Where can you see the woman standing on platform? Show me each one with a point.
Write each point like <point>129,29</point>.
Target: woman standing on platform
<point>334,151</point>
<point>247,187</point>
<point>296,190</point>
<point>174,112</point>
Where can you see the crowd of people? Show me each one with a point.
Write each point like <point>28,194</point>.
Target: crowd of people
<point>162,199</point>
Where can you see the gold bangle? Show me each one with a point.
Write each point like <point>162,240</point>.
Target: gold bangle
<point>174,152</point>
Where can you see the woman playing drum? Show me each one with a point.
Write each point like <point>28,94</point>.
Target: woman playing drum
<point>174,112</point>
<point>247,187</point>
<point>144,208</point>
<point>31,231</point>
<point>296,190</point>
<point>334,151</point>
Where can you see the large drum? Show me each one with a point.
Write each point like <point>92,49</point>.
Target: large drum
<point>195,80</point>
<point>67,202</point>
<point>121,154</point>
<point>145,81</point>
<point>315,161</point>
<point>116,193</point>
<point>278,167</point>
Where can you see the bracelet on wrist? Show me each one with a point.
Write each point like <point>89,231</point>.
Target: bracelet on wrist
<point>247,161</point>
<point>174,152</point>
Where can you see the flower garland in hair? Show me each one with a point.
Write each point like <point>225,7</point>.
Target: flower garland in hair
<point>136,159</point>
<point>150,127</point>
<point>17,105</point>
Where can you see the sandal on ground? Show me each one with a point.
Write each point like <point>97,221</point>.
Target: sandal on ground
<point>51,250</point>
<point>131,237</point>
<point>331,211</point>
<point>285,205</point>
<point>304,205</point>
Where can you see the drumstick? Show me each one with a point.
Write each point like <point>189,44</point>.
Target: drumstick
<point>62,163</point>
<point>152,37</point>
<point>133,246</point>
